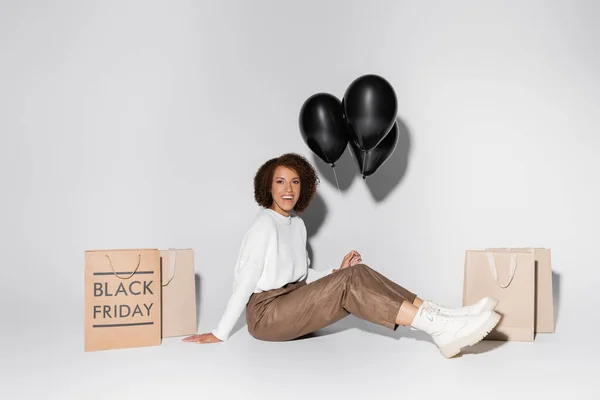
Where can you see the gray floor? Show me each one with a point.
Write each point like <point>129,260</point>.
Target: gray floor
<point>349,359</point>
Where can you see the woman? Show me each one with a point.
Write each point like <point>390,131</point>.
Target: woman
<point>272,267</point>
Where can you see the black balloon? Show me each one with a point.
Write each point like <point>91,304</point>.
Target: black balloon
<point>369,161</point>
<point>323,127</point>
<point>370,108</point>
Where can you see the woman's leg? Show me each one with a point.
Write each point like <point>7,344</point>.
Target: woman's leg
<point>407,312</point>
<point>357,290</point>
<point>367,294</point>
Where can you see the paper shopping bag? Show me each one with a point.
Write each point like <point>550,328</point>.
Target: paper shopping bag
<point>122,299</point>
<point>544,302</point>
<point>508,277</point>
<point>178,292</point>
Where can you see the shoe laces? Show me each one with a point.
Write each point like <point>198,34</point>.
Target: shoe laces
<point>433,304</point>
<point>447,321</point>
<point>433,311</point>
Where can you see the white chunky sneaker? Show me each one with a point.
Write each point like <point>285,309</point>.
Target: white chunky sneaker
<point>452,333</point>
<point>486,303</point>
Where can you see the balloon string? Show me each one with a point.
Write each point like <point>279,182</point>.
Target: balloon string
<point>364,153</point>
<point>336,179</point>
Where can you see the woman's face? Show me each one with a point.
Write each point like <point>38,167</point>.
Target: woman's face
<point>285,190</point>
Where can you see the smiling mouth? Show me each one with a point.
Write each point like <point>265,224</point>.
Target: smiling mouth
<point>287,198</point>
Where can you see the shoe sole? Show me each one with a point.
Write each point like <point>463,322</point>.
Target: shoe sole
<point>452,349</point>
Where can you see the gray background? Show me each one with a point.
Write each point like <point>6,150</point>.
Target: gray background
<point>141,124</point>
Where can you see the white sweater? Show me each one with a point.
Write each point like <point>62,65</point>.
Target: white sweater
<point>273,253</point>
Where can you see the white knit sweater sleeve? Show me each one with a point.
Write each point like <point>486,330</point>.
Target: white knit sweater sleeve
<point>250,264</point>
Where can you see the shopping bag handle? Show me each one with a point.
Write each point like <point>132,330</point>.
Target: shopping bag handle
<point>130,275</point>
<point>493,268</point>
<point>173,269</point>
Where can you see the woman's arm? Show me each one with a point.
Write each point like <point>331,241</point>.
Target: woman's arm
<point>250,264</point>
<point>245,285</point>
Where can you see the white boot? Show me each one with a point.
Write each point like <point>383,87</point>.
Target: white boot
<point>486,303</point>
<point>452,333</point>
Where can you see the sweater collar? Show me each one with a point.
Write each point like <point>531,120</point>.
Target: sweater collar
<point>282,219</point>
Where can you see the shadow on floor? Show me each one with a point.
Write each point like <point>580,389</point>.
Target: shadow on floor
<point>367,328</point>
<point>482,347</point>
<point>556,295</point>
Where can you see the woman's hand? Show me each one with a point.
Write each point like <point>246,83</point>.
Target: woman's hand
<point>203,338</point>
<point>350,260</point>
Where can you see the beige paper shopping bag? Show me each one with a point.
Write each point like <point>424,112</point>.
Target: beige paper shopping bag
<point>544,302</point>
<point>178,292</point>
<point>122,299</point>
<point>508,277</point>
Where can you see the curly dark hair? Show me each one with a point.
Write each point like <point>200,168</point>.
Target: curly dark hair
<point>309,180</point>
